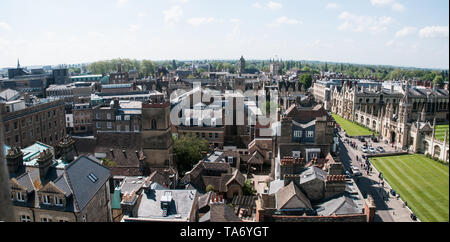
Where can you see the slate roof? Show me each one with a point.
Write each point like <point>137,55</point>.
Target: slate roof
<point>291,193</point>
<point>25,180</point>
<point>63,184</point>
<point>220,213</point>
<point>8,94</point>
<point>83,188</point>
<point>343,205</point>
<point>303,115</point>
<point>204,200</point>
<point>312,173</point>
<point>244,201</point>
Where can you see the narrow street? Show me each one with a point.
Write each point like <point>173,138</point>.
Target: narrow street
<point>389,209</point>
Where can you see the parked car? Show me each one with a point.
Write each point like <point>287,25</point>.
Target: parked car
<point>364,149</point>
<point>348,174</point>
<point>356,171</point>
<point>372,150</point>
<point>374,139</point>
<point>380,149</point>
<point>362,139</point>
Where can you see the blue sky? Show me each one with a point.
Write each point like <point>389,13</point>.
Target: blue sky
<point>391,32</point>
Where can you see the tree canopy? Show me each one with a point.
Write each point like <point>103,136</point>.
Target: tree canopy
<point>306,80</point>
<point>188,151</point>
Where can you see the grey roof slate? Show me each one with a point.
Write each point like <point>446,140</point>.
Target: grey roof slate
<point>83,188</point>
<point>312,173</point>
<point>25,180</point>
<point>343,205</point>
<point>291,194</point>
<point>62,183</point>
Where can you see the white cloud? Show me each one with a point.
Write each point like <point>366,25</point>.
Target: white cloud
<point>434,32</point>
<point>199,21</point>
<point>257,5</point>
<point>270,5</point>
<point>173,15</point>
<point>142,14</point>
<point>332,5</point>
<point>390,43</point>
<point>235,34</point>
<point>274,5</point>
<point>121,2</point>
<point>381,2</point>
<point>405,32</point>
<point>235,20</point>
<point>5,26</point>
<point>391,3</point>
<point>398,7</point>
<point>361,23</point>
<point>134,28</point>
<point>285,20</point>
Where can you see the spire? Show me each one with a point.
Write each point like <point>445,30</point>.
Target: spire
<point>18,63</point>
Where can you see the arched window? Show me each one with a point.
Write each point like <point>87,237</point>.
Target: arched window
<point>153,124</point>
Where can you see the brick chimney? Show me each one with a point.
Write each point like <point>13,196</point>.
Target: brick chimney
<point>369,208</point>
<point>14,159</point>
<point>44,161</point>
<point>67,150</point>
<point>288,178</point>
<point>217,199</point>
<point>334,185</point>
<point>129,203</point>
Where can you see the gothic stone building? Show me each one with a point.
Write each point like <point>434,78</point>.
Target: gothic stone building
<point>389,112</point>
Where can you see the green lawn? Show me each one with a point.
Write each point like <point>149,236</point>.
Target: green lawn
<point>351,128</point>
<point>421,182</point>
<point>440,132</point>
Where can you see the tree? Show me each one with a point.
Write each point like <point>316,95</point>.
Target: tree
<point>108,163</point>
<point>438,80</point>
<point>147,68</point>
<point>248,189</point>
<point>188,151</point>
<point>306,80</point>
<point>210,188</point>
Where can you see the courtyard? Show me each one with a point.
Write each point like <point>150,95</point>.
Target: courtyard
<point>421,182</point>
<point>352,129</point>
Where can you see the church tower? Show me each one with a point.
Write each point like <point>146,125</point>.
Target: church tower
<point>404,112</point>
<point>157,134</point>
<point>241,65</point>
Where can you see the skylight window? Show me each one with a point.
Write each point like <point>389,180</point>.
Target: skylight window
<point>93,178</point>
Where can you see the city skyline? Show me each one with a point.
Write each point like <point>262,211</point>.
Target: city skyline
<point>372,32</point>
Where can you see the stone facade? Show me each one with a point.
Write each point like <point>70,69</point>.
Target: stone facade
<point>44,122</point>
<point>389,112</point>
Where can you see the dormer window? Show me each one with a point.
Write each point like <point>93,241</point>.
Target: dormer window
<point>25,218</point>
<point>20,197</point>
<point>58,201</point>
<point>46,199</point>
<point>46,220</point>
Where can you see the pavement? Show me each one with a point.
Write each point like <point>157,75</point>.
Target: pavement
<point>389,208</point>
<point>259,182</point>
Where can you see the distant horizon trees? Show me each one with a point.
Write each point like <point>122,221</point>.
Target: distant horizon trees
<point>357,71</point>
